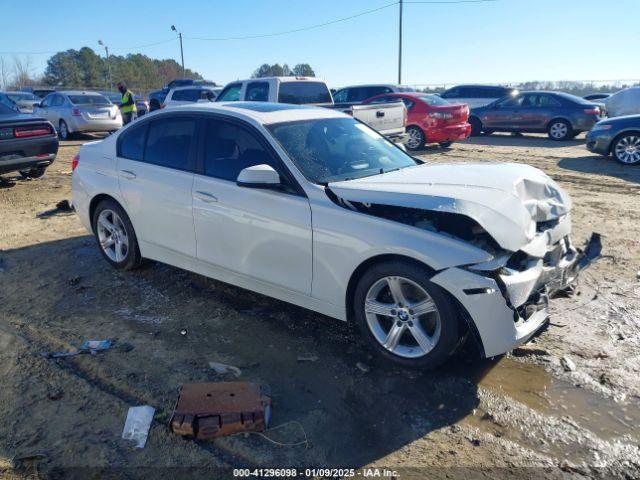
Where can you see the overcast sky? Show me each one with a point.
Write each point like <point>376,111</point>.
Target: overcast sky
<point>502,41</point>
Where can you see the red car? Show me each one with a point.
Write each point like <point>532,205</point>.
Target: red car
<point>430,119</point>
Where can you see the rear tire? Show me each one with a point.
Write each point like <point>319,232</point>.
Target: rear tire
<point>387,304</point>
<point>476,126</point>
<point>559,130</point>
<point>115,235</point>
<point>33,172</point>
<point>416,139</point>
<point>63,131</point>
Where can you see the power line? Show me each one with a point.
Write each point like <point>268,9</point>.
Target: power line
<point>286,32</point>
<point>444,2</point>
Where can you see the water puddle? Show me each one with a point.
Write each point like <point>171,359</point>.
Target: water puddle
<point>539,390</point>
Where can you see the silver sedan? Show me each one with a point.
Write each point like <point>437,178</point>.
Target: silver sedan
<point>77,111</point>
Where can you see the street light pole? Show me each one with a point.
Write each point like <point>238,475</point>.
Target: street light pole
<point>173,28</point>
<point>106,49</point>
<point>400,45</point>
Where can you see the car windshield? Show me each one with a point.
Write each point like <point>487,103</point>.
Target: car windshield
<point>16,97</point>
<point>337,149</point>
<point>88,100</point>
<point>433,100</point>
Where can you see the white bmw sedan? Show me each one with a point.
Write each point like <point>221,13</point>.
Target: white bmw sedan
<point>310,206</point>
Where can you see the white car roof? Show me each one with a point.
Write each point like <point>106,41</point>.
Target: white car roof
<point>264,112</point>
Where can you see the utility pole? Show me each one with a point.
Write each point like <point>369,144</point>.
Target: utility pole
<point>400,45</point>
<point>173,28</point>
<point>106,49</point>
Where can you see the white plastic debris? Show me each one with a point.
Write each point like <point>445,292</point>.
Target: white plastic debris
<point>222,369</point>
<point>567,364</point>
<point>138,423</point>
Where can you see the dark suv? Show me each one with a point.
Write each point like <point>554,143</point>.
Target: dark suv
<point>560,115</point>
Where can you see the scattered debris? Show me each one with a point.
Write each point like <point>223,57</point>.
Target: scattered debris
<point>61,207</point>
<point>55,394</point>
<point>73,281</point>
<point>137,425</point>
<point>90,346</point>
<point>183,332</point>
<point>124,347</point>
<point>362,367</point>
<point>64,206</point>
<point>212,410</point>
<point>223,369</point>
<point>567,364</point>
<point>308,358</point>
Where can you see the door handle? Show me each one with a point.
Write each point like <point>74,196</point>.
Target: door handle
<point>207,197</point>
<point>129,175</point>
<point>379,114</point>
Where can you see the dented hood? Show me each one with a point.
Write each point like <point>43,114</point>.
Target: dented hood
<point>505,199</point>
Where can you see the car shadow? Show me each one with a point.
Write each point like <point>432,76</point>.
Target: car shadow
<point>353,407</point>
<point>602,166</point>
<point>524,140</point>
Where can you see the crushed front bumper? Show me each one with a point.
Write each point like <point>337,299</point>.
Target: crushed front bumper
<point>506,307</point>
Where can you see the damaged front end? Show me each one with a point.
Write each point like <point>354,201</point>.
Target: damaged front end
<point>515,213</point>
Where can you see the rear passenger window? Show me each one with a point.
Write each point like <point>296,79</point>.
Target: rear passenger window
<point>257,92</point>
<point>229,148</point>
<point>131,143</point>
<point>169,142</point>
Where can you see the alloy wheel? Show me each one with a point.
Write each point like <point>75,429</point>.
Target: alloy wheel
<point>64,132</point>
<point>559,130</point>
<point>112,236</point>
<point>415,138</point>
<point>402,317</point>
<point>627,149</point>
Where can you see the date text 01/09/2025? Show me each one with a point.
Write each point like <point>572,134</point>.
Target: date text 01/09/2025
<point>315,472</point>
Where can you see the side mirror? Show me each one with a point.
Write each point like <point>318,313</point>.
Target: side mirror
<point>258,176</point>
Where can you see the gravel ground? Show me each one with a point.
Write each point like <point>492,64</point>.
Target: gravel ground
<point>565,405</point>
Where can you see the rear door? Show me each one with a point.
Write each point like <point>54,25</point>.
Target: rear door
<point>537,110</point>
<point>264,234</point>
<point>156,160</point>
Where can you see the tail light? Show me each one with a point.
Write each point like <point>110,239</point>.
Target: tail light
<point>74,163</point>
<point>25,132</point>
<point>75,112</point>
<point>592,111</point>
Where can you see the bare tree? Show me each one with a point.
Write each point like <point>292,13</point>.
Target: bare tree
<point>22,72</point>
<point>5,76</point>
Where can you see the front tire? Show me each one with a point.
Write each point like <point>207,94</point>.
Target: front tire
<point>416,139</point>
<point>476,126</point>
<point>626,149</point>
<point>405,317</point>
<point>559,130</point>
<point>115,236</point>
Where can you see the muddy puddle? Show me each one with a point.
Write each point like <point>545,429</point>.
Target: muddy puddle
<point>522,402</point>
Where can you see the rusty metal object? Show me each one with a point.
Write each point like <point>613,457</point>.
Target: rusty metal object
<point>218,409</point>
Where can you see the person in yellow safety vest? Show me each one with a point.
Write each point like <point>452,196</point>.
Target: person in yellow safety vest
<point>127,104</point>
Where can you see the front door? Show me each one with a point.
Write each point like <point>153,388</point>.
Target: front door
<point>264,234</point>
<point>155,171</point>
<point>503,115</point>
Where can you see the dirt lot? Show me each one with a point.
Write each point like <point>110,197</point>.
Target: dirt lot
<point>564,405</point>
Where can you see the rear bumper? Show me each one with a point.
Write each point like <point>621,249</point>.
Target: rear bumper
<point>506,310</point>
<point>28,153</point>
<point>79,124</point>
<point>459,131</point>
